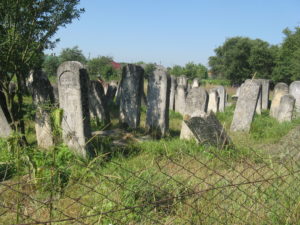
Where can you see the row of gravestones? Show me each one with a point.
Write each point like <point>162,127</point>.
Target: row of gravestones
<point>253,97</point>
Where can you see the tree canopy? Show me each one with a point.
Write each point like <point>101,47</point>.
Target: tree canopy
<point>26,30</point>
<point>190,70</point>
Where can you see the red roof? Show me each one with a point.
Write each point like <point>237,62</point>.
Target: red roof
<point>116,65</point>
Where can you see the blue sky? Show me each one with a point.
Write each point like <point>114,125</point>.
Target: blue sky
<point>171,32</point>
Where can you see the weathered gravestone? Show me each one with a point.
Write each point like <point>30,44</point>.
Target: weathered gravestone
<point>196,102</point>
<point>189,87</point>
<point>180,98</point>
<point>195,83</point>
<point>131,89</point>
<point>182,81</point>
<point>5,129</point>
<point>280,89</point>
<point>73,87</point>
<point>245,107</point>
<point>55,93</point>
<point>213,101</point>
<point>222,97</point>
<point>157,120</point>
<point>43,99</point>
<point>295,92</point>
<point>286,108</point>
<point>98,102</point>
<point>259,100</point>
<point>205,129</point>
<point>172,92</point>
<point>265,89</point>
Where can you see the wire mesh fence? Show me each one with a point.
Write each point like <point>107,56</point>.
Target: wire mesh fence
<point>192,185</point>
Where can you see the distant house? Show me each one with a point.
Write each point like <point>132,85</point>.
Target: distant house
<point>115,65</point>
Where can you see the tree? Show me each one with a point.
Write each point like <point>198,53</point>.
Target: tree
<point>287,67</point>
<point>26,30</point>
<point>239,58</point>
<point>72,54</point>
<point>50,64</point>
<point>177,70</point>
<point>193,70</point>
<point>102,66</point>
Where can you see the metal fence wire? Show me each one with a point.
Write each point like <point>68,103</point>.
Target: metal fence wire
<point>125,185</point>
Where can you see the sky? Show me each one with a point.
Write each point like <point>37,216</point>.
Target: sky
<point>173,32</point>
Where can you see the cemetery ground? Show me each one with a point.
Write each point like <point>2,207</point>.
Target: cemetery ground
<point>146,181</point>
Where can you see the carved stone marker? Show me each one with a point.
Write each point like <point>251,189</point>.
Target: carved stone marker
<point>196,102</point>
<point>222,97</point>
<point>43,98</point>
<point>157,121</point>
<point>98,102</point>
<point>195,83</point>
<point>205,130</point>
<point>280,89</point>
<point>213,101</point>
<point>73,87</point>
<point>245,107</point>
<point>259,100</point>
<point>265,89</point>
<point>5,129</point>
<point>180,98</point>
<point>172,92</point>
<point>183,81</point>
<point>131,88</point>
<point>111,91</point>
<point>295,92</point>
<point>286,108</point>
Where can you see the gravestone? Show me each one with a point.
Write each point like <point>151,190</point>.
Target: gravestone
<point>195,83</point>
<point>196,102</point>
<point>245,107</point>
<point>259,101</point>
<point>180,98</point>
<point>157,120</point>
<point>172,93</point>
<point>73,87</point>
<point>5,129</point>
<point>280,89</point>
<point>98,103</point>
<point>189,87</point>
<point>213,101</point>
<point>182,81</point>
<point>205,129</point>
<point>265,89</point>
<point>295,92</point>
<point>222,97</point>
<point>286,108</point>
<point>131,89</point>
<point>43,99</point>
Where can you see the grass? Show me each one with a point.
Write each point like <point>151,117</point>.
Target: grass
<point>167,181</point>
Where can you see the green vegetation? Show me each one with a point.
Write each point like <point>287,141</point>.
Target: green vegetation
<point>190,70</point>
<point>156,181</point>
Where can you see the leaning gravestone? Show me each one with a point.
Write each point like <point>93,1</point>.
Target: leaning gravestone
<point>280,89</point>
<point>245,107</point>
<point>172,92</point>
<point>222,97</point>
<point>183,81</point>
<point>111,91</point>
<point>5,129</point>
<point>295,91</point>
<point>131,89</point>
<point>205,129</point>
<point>180,99</point>
<point>157,120</point>
<point>43,99</point>
<point>286,108</point>
<point>213,101</point>
<point>265,89</point>
<point>259,101</point>
<point>73,87</point>
<point>98,102</point>
<point>196,102</point>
